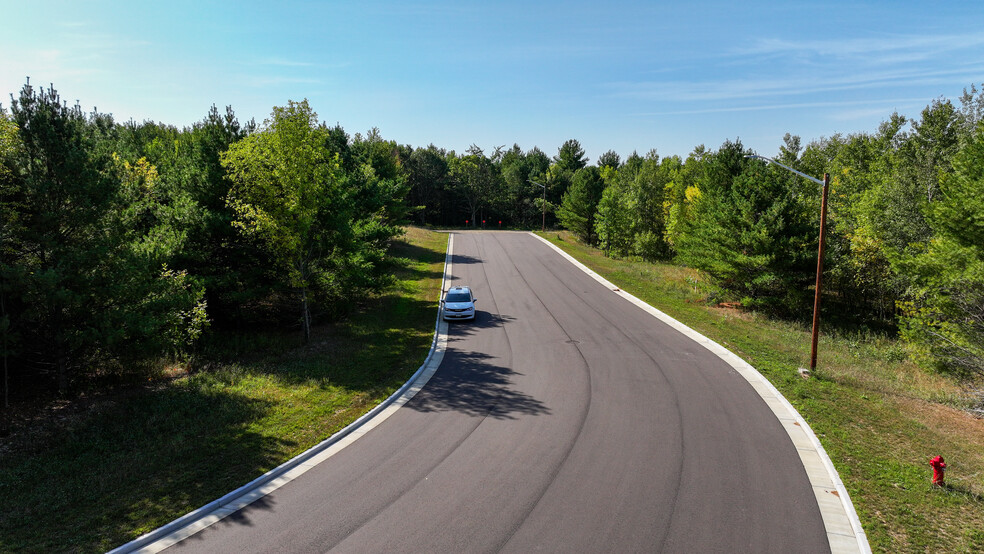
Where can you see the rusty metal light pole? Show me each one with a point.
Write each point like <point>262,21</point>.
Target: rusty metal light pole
<point>543,228</point>
<point>825,183</point>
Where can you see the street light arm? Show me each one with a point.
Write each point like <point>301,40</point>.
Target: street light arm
<point>823,225</point>
<point>801,174</point>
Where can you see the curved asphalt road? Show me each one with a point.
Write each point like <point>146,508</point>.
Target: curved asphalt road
<point>563,419</point>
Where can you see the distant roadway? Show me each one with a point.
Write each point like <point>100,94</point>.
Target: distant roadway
<point>564,419</point>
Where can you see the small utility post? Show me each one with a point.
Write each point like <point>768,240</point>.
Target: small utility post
<point>816,299</point>
<point>825,183</point>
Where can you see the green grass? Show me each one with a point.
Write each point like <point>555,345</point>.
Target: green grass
<point>879,417</point>
<point>131,462</point>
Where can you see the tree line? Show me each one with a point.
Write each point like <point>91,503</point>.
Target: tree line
<point>905,249</point>
<point>122,243</point>
<point>905,230</point>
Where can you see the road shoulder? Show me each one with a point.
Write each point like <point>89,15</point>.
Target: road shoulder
<point>213,512</point>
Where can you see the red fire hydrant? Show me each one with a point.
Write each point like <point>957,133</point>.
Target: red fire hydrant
<point>939,468</point>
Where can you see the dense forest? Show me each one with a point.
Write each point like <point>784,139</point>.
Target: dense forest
<point>123,244</point>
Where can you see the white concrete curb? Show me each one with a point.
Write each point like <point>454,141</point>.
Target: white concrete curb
<point>844,531</point>
<point>214,511</point>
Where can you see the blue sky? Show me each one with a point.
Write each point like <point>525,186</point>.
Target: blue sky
<point>615,75</point>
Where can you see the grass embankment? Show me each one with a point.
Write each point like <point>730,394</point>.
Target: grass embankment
<point>879,417</point>
<point>130,463</point>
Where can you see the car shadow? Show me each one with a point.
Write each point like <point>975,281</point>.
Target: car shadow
<point>483,320</point>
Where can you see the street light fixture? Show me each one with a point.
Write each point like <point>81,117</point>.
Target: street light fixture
<point>825,183</point>
<point>543,228</point>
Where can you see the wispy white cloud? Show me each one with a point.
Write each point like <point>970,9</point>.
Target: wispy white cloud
<point>73,24</point>
<point>879,112</point>
<point>281,62</point>
<point>272,71</point>
<point>73,56</point>
<point>750,88</point>
<point>877,107</point>
<point>49,64</point>
<point>269,81</point>
<point>921,46</point>
<point>104,44</point>
<point>887,52</point>
<point>292,63</point>
<point>773,74</point>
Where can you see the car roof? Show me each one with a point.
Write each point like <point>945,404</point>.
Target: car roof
<point>462,288</point>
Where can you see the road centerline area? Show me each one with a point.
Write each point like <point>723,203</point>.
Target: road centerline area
<point>563,418</point>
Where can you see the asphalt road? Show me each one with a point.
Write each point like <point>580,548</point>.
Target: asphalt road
<point>563,419</point>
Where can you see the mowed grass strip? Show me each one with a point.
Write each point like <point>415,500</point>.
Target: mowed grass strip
<point>131,463</point>
<point>879,417</point>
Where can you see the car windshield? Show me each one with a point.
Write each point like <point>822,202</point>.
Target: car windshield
<point>458,297</point>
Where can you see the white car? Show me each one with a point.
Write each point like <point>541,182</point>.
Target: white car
<point>459,303</point>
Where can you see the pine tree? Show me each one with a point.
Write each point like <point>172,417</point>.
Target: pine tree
<point>752,237</point>
<point>943,315</point>
<point>580,204</point>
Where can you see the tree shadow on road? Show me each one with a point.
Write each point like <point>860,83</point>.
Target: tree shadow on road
<point>464,259</point>
<point>471,383</point>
